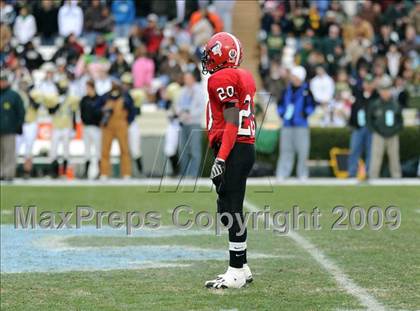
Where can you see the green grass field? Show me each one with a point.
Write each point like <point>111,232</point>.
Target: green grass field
<point>384,264</point>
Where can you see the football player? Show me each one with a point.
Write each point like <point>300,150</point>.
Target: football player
<point>231,133</point>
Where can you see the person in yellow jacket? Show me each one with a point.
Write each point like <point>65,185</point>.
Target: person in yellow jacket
<point>117,113</point>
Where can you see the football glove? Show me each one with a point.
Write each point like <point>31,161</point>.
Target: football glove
<point>217,169</point>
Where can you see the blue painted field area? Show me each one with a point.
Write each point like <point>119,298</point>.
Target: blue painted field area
<point>46,250</point>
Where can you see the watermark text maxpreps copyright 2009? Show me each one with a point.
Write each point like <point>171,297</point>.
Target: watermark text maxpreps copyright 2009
<point>184,218</point>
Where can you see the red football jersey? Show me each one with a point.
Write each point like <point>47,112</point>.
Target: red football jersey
<point>231,85</point>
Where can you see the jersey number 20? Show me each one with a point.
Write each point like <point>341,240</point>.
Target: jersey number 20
<point>246,120</point>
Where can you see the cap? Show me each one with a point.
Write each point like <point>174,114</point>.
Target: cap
<point>299,72</point>
<point>152,18</point>
<point>385,82</point>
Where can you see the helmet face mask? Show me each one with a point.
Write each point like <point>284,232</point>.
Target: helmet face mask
<point>223,50</point>
<point>204,60</point>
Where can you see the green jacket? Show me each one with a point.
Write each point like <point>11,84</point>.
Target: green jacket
<point>385,118</point>
<point>12,112</point>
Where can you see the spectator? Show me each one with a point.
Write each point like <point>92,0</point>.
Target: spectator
<point>224,9</point>
<point>203,24</point>
<point>119,66</point>
<point>134,134</point>
<point>414,17</point>
<point>171,96</point>
<point>62,114</point>
<point>70,50</point>
<point>30,127</point>
<point>5,36</point>
<point>93,15</point>
<point>46,15</point>
<point>134,40</point>
<point>101,47</point>
<point>358,29</point>
<point>91,117</point>
<point>103,82</point>
<point>152,35</point>
<point>370,12</point>
<point>329,43</point>
<point>170,70</point>
<point>385,38</point>
<point>385,120</point>
<point>275,42</point>
<point>275,81</point>
<point>7,13</point>
<point>117,114</point>
<point>295,106</point>
<point>124,13</point>
<point>70,19</point>
<point>181,35</point>
<point>190,109</point>
<point>143,69</point>
<point>411,43</point>
<point>379,70</point>
<point>340,109</point>
<point>322,87</point>
<point>395,13</point>
<point>24,28</point>
<point>361,136</point>
<point>299,22</point>
<point>393,58</point>
<point>12,114</point>
<point>105,25</point>
<point>33,59</point>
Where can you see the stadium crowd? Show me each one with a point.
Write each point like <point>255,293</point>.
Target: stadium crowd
<point>347,62</point>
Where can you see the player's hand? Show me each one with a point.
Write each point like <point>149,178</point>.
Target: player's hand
<point>217,170</point>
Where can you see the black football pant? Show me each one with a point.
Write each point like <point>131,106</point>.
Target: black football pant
<point>231,194</point>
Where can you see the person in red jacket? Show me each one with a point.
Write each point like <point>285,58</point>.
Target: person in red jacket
<point>231,131</point>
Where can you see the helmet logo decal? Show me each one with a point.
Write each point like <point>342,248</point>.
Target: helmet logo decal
<point>232,55</point>
<point>217,49</point>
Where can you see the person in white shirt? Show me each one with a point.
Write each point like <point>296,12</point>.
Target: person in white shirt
<point>322,87</point>
<point>70,19</point>
<point>103,82</point>
<point>25,26</point>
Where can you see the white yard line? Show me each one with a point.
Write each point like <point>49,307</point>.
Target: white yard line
<point>155,183</point>
<point>345,282</point>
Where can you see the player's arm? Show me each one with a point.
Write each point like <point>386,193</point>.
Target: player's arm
<point>231,116</point>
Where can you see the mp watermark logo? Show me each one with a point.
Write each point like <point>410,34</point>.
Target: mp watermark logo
<point>161,168</point>
<point>184,217</point>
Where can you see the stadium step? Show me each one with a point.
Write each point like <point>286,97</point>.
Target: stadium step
<point>246,25</point>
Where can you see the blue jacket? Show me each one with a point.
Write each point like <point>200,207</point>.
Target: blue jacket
<point>296,105</point>
<point>124,11</point>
